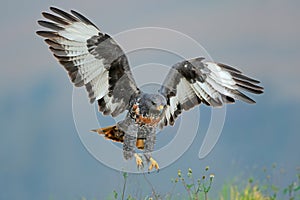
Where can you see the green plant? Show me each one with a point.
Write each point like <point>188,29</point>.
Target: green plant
<point>195,188</point>
<point>240,189</point>
<point>292,190</point>
<point>116,194</point>
<point>248,193</point>
<point>265,189</point>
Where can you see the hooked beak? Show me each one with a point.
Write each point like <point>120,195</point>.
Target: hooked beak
<point>160,107</point>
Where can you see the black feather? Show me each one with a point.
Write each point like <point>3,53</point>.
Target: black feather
<point>228,68</point>
<point>188,71</point>
<point>54,44</point>
<point>227,99</point>
<point>58,52</point>
<point>50,25</point>
<point>47,34</point>
<point>243,77</point>
<point>55,18</point>
<point>249,86</point>
<point>239,95</point>
<point>83,18</point>
<point>249,89</point>
<point>171,120</point>
<point>64,14</point>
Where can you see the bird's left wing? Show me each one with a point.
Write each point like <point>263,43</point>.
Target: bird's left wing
<point>194,81</point>
<point>92,59</point>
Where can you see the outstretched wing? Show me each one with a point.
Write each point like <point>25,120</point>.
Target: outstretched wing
<point>92,59</point>
<point>194,81</point>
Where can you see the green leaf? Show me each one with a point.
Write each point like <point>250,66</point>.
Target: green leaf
<point>274,188</point>
<point>125,175</point>
<point>115,194</point>
<point>189,186</point>
<point>297,188</point>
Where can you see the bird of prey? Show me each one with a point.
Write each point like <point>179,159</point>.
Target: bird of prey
<point>94,60</point>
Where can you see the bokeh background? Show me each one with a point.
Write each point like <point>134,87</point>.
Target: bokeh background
<point>41,154</point>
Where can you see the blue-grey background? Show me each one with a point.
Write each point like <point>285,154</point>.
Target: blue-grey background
<point>40,152</point>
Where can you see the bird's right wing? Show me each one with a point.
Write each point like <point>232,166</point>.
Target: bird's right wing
<point>92,59</point>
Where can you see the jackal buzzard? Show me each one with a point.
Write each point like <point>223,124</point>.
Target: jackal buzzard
<point>94,60</point>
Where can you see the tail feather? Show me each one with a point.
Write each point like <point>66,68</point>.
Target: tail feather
<point>116,135</point>
<point>111,133</point>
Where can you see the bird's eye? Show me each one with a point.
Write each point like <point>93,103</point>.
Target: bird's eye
<point>153,103</point>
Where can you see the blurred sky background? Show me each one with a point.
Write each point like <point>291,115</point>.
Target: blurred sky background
<point>41,154</point>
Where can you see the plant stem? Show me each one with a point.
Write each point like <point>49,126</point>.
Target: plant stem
<point>124,187</point>
<point>186,188</point>
<point>152,188</point>
<point>172,190</point>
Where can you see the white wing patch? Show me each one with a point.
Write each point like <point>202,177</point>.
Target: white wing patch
<point>184,98</point>
<point>78,31</point>
<point>220,76</point>
<point>184,91</point>
<point>102,85</point>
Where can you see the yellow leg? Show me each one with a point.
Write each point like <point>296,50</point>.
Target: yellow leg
<point>139,161</point>
<point>154,164</point>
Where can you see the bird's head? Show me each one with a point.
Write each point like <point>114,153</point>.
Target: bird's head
<point>156,104</point>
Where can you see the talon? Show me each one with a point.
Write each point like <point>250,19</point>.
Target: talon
<point>154,164</point>
<point>139,161</point>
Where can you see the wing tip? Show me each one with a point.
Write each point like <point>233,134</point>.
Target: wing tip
<point>46,34</point>
<point>55,9</point>
<point>64,14</point>
<point>50,25</point>
<point>83,18</point>
<point>241,96</point>
<point>229,68</point>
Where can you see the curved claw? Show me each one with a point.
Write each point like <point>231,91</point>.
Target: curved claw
<point>154,164</point>
<point>139,161</point>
